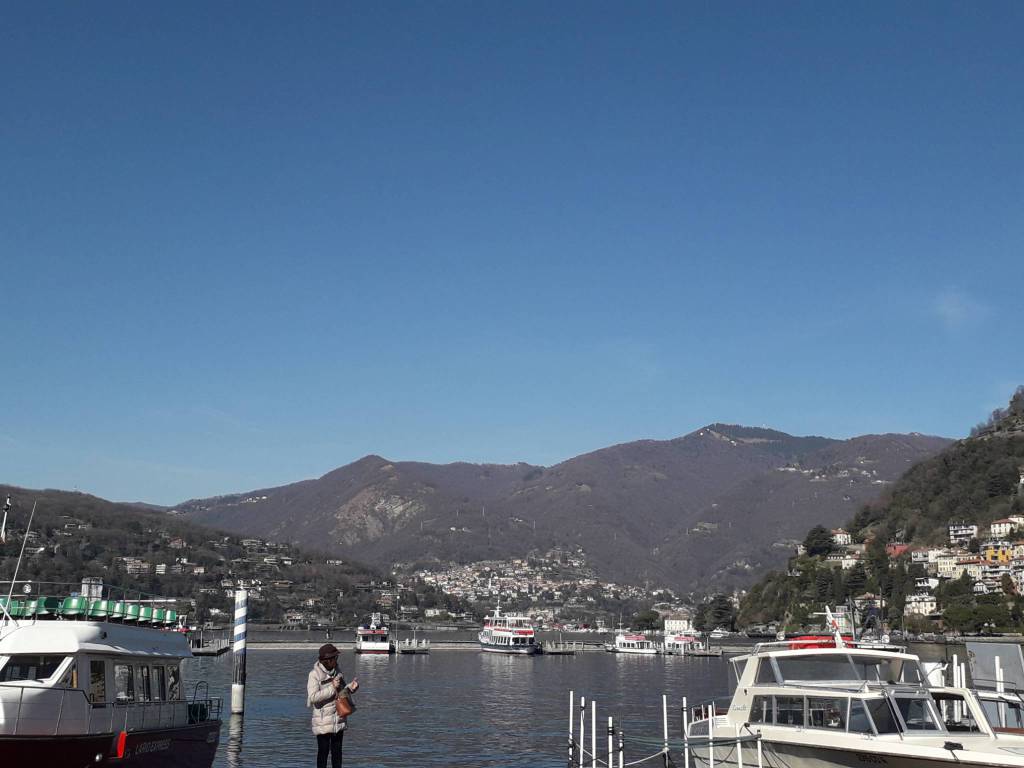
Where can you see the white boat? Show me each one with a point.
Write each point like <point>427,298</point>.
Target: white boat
<point>97,681</point>
<point>826,703</point>
<point>718,633</point>
<point>373,638</point>
<point>626,642</point>
<point>508,633</point>
<point>677,645</point>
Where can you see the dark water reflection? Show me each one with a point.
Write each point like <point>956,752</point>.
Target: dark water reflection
<point>452,708</point>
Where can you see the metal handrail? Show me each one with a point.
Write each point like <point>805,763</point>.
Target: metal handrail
<point>214,707</point>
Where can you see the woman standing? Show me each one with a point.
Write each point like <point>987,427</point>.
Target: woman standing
<point>324,685</point>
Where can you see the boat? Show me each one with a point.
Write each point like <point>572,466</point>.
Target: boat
<point>719,633</point>
<point>373,638</point>
<point>829,703</point>
<point>508,633</point>
<point>92,680</point>
<point>676,645</point>
<point>626,642</point>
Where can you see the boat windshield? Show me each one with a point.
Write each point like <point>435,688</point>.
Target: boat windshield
<point>848,668</point>
<point>29,667</point>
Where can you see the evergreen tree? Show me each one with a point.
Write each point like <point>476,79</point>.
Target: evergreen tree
<point>818,541</point>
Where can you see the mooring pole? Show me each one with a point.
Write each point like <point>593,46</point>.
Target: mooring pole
<point>593,734</point>
<point>572,713</point>
<point>664,724</point>
<point>238,660</point>
<point>583,729</point>
<point>611,740</point>
<point>621,751</point>
<point>686,735</point>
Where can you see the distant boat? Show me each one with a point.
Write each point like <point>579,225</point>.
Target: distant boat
<point>373,638</point>
<point>631,643</point>
<point>508,633</point>
<point>677,645</point>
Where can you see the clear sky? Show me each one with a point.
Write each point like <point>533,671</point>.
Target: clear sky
<point>244,244</point>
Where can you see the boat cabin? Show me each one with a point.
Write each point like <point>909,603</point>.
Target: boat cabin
<point>70,677</point>
<point>872,692</point>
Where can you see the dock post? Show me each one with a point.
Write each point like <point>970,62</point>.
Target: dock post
<point>760,753</point>
<point>664,728</point>
<point>686,736</point>
<point>238,661</point>
<point>583,729</point>
<point>711,736</point>
<point>611,740</point>
<point>739,747</point>
<point>621,751</point>
<point>572,713</point>
<point>593,734</point>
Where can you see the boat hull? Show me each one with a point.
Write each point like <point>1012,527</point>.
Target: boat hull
<point>193,746</point>
<point>787,755</point>
<point>523,650</point>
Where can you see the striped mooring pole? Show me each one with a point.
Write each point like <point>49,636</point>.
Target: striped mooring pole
<point>238,653</point>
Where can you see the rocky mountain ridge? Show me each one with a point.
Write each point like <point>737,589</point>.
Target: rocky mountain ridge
<point>714,507</point>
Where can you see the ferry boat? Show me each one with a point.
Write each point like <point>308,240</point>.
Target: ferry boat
<point>631,643</point>
<point>677,645</point>
<point>833,704</point>
<point>373,638</point>
<point>87,680</point>
<point>508,634</point>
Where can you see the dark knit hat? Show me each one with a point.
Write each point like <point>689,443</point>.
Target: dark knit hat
<point>328,651</point>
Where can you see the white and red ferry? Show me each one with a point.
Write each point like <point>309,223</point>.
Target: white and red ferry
<point>632,642</point>
<point>508,634</point>
<point>373,638</point>
<point>86,680</point>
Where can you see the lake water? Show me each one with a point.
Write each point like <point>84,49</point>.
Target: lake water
<point>454,708</point>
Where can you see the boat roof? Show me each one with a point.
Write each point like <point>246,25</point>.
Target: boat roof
<point>785,649</point>
<point>99,637</point>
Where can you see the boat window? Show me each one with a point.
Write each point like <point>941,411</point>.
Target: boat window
<point>97,681</point>
<point>761,709</point>
<point>765,673</point>
<point>1003,714</point>
<point>882,715</point>
<point>159,684</point>
<point>826,712</point>
<point>882,670</point>
<point>30,667</point>
<point>173,683</point>
<point>70,678</point>
<point>955,713</point>
<point>124,683</point>
<point>789,710</point>
<point>143,691</point>
<point>824,667</point>
<point>918,713</point>
<point>859,721</point>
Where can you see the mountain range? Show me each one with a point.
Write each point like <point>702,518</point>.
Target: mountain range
<point>714,508</point>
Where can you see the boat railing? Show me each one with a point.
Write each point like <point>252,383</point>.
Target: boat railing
<point>29,710</point>
<point>54,600</point>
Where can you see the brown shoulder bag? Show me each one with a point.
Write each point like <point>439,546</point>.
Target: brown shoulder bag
<point>343,704</point>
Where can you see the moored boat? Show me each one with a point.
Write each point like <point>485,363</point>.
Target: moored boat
<point>626,642</point>
<point>373,638</point>
<point>87,680</point>
<point>508,633</point>
<point>830,703</point>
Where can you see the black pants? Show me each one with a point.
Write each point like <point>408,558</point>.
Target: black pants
<point>329,742</point>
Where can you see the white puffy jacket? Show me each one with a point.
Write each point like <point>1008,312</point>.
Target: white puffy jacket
<point>320,695</point>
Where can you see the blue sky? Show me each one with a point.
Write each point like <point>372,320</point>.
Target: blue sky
<point>243,244</point>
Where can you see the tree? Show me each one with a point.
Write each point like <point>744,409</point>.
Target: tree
<point>818,541</point>
<point>646,621</point>
<point>857,580</point>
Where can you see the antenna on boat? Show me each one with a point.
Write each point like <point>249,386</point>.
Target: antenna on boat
<point>10,594</point>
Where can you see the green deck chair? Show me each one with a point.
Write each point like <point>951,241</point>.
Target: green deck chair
<point>146,614</point>
<point>159,614</point>
<point>74,607</point>
<point>100,609</point>
<point>131,612</point>
<point>171,619</point>
<point>118,609</point>
<point>47,606</point>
